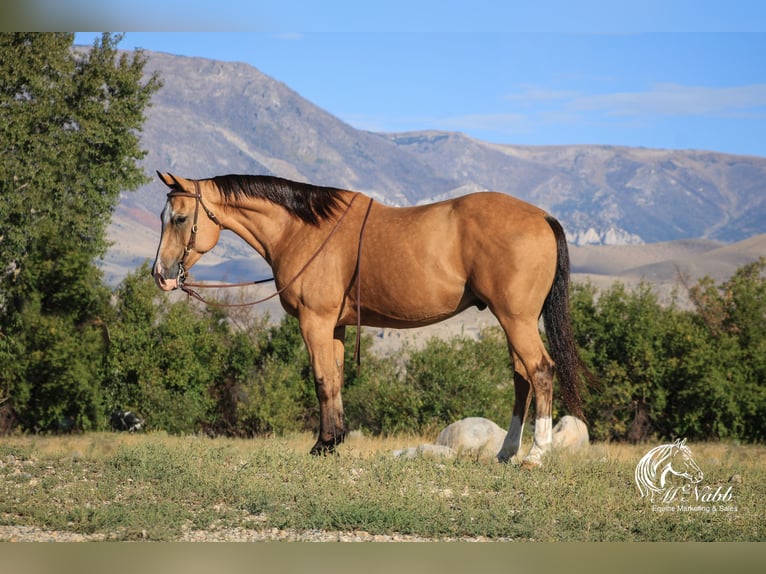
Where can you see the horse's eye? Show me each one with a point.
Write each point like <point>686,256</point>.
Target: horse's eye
<point>179,220</point>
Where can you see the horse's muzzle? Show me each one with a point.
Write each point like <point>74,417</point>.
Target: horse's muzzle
<point>162,282</point>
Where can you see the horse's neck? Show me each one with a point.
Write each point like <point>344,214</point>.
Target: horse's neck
<point>274,232</point>
<point>262,225</point>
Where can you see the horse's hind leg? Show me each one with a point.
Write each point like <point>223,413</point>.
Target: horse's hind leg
<point>542,382</point>
<point>522,398</point>
<point>534,366</point>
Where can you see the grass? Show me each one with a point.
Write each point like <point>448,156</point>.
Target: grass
<point>159,487</point>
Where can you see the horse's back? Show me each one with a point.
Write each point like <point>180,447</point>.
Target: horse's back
<point>489,200</point>
<point>484,211</point>
<point>498,211</point>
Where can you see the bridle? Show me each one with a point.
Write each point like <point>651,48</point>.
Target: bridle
<point>198,201</point>
<point>186,286</point>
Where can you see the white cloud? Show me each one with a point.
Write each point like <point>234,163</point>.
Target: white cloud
<point>677,100</point>
<point>537,108</point>
<point>660,100</point>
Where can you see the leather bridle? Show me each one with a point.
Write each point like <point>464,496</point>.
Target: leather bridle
<point>198,201</point>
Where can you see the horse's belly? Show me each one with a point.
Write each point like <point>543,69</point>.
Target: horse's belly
<point>372,319</point>
<point>407,310</point>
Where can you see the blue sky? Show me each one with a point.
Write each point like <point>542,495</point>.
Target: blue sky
<point>672,75</point>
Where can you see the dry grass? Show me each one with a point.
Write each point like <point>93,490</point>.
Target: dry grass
<point>160,487</point>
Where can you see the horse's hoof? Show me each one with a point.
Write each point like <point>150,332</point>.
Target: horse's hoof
<point>321,449</point>
<point>324,447</point>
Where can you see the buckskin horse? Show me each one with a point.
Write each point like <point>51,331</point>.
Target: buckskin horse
<point>340,258</point>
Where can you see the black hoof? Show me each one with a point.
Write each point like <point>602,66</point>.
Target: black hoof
<point>323,447</point>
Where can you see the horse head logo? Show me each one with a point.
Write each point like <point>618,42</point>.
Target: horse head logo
<point>655,472</point>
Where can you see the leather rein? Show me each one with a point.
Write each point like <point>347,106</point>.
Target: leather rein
<point>186,286</point>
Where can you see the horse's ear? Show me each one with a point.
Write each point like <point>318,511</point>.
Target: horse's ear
<point>680,442</point>
<point>166,178</point>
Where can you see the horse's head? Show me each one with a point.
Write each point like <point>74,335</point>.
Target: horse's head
<point>682,463</point>
<point>186,234</point>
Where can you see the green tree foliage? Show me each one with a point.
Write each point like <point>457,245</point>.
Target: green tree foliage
<point>191,368</point>
<point>733,318</point>
<point>624,337</point>
<point>267,387</point>
<point>668,372</point>
<point>164,358</point>
<point>69,123</point>
<point>438,384</point>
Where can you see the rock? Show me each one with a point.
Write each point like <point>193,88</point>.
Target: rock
<point>736,479</point>
<point>426,450</point>
<point>477,436</point>
<point>570,433</point>
<point>473,435</point>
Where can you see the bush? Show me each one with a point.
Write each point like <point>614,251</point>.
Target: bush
<point>669,372</point>
<point>733,318</point>
<point>271,401</point>
<point>664,371</point>
<point>164,357</point>
<point>624,339</point>
<point>443,382</point>
<point>380,402</point>
<point>60,390</point>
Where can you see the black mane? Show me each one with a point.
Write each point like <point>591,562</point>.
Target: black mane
<point>310,203</point>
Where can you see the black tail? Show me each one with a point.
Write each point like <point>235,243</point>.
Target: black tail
<point>558,328</point>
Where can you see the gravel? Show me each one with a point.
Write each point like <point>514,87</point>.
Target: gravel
<point>34,534</point>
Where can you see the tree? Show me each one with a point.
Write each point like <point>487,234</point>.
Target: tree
<point>674,372</point>
<point>733,317</point>
<point>623,336</point>
<point>69,128</point>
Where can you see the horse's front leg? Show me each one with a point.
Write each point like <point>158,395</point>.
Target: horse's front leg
<point>325,347</point>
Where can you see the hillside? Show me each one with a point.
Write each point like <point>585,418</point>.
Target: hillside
<point>216,117</point>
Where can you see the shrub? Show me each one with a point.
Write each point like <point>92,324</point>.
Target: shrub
<point>672,372</point>
<point>380,402</point>
<point>438,384</point>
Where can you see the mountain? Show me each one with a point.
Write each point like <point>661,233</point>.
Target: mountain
<point>213,117</point>
<point>609,194</point>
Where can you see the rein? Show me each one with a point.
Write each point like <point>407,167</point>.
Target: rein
<point>186,287</point>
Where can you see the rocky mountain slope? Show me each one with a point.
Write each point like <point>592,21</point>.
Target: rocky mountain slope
<point>214,117</point>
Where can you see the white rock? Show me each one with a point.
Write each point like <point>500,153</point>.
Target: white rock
<point>473,435</point>
<point>426,450</point>
<point>570,433</point>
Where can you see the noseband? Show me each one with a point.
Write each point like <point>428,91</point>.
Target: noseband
<point>197,195</point>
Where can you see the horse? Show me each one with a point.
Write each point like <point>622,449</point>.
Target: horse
<point>655,469</point>
<point>339,259</point>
